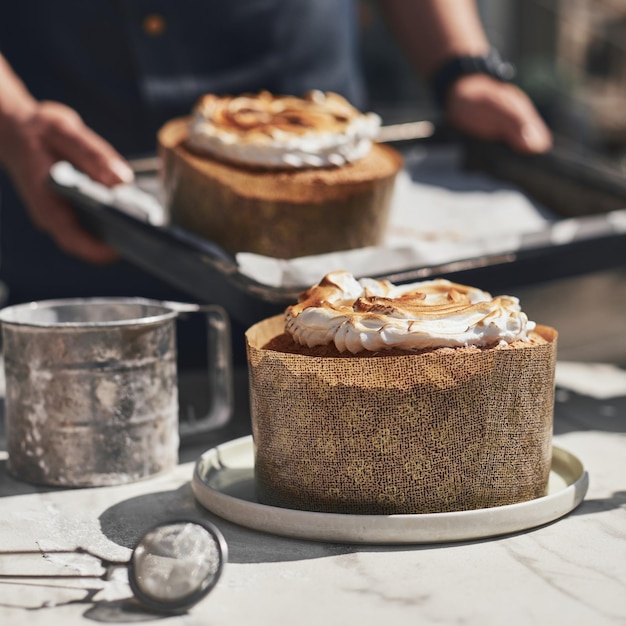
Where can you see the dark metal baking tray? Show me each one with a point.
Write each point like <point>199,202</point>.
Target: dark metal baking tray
<point>584,189</point>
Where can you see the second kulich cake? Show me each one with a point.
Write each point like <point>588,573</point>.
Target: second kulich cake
<point>279,175</point>
<point>374,398</point>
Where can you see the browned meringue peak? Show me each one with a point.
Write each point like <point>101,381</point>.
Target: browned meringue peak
<point>442,296</point>
<point>272,131</point>
<point>370,314</point>
<point>416,308</point>
<point>265,113</point>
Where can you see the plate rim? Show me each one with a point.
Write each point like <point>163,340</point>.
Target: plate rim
<point>416,528</point>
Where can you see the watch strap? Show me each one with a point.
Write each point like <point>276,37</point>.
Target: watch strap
<point>490,64</point>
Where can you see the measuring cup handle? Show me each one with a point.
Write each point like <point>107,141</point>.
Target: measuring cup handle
<point>220,369</point>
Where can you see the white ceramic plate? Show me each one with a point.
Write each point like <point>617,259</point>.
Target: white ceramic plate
<point>223,482</point>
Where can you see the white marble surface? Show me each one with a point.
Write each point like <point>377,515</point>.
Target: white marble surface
<point>572,571</point>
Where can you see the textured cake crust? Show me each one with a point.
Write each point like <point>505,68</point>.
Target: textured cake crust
<point>431,432</point>
<point>286,185</point>
<point>278,213</point>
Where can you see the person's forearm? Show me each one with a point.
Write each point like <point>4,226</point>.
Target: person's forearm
<point>16,105</point>
<point>432,31</point>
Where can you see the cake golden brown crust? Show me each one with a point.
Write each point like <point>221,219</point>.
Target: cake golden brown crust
<point>280,213</point>
<point>428,432</point>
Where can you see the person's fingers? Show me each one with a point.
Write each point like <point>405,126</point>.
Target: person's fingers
<point>74,240</point>
<point>57,132</point>
<point>522,127</point>
<point>70,139</point>
<point>56,217</point>
<point>533,138</point>
<point>489,109</point>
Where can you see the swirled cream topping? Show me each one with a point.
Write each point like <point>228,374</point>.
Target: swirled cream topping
<point>374,315</point>
<point>265,130</point>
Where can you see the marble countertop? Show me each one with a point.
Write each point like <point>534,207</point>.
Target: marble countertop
<point>571,571</point>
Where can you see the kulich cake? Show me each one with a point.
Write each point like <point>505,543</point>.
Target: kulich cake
<point>374,398</point>
<point>279,175</point>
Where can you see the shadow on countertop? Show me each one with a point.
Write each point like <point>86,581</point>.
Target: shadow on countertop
<point>576,411</point>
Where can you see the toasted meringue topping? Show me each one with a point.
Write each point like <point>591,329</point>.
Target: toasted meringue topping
<point>264,130</point>
<point>374,315</point>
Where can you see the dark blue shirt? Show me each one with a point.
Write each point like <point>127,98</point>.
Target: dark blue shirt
<point>129,65</point>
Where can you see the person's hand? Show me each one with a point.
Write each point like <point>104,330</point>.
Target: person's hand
<point>486,108</point>
<point>49,133</point>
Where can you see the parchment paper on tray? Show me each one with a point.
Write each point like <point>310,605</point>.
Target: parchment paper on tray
<point>440,214</point>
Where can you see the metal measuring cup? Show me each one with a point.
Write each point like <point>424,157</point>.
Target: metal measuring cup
<point>91,388</point>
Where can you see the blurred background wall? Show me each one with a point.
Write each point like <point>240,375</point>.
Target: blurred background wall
<point>570,56</point>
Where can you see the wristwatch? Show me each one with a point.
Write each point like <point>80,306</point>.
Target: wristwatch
<point>490,64</point>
